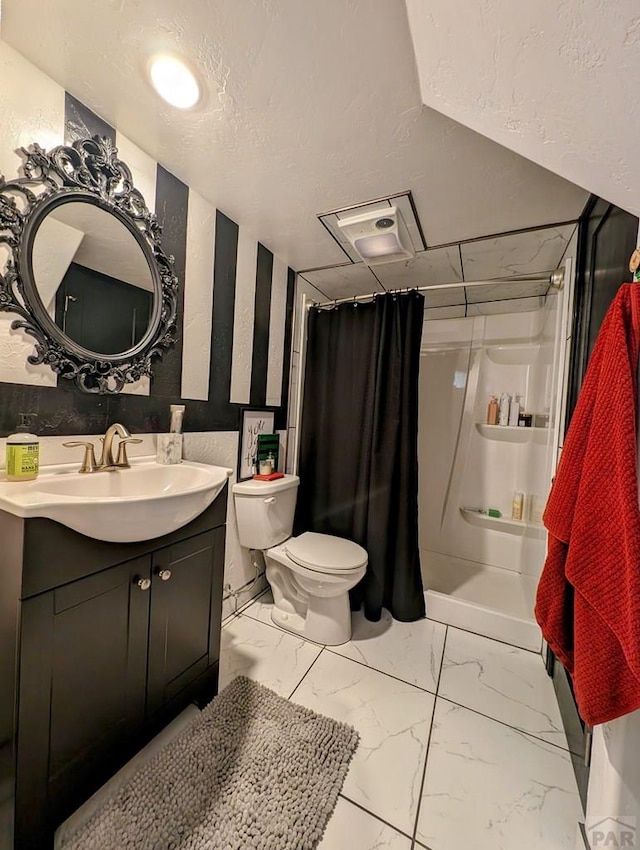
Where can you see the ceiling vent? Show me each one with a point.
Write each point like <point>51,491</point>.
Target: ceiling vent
<point>378,236</point>
<point>400,204</point>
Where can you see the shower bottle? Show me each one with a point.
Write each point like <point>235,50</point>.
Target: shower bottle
<point>505,403</point>
<point>492,411</point>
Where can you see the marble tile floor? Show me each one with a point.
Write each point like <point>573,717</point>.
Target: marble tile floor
<point>461,741</point>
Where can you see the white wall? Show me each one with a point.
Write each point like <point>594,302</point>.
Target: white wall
<point>614,779</point>
<point>554,82</point>
<point>29,102</point>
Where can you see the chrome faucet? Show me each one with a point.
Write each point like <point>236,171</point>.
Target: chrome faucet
<point>107,462</point>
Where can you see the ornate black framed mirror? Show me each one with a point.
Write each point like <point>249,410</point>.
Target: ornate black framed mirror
<point>84,267</point>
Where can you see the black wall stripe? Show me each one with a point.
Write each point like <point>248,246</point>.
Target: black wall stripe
<point>80,122</point>
<point>261,320</point>
<point>172,201</point>
<point>282,414</point>
<point>59,410</point>
<point>149,414</point>
<point>224,298</point>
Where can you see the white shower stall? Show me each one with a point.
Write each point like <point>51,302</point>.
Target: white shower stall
<point>480,572</point>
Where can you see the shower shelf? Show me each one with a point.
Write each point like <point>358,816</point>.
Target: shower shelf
<point>506,524</point>
<point>509,433</point>
<point>518,354</point>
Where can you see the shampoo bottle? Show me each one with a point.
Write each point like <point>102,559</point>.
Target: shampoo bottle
<point>514,411</point>
<point>492,411</point>
<point>517,506</point>
<point>23,452</point>
<point>505,403</point>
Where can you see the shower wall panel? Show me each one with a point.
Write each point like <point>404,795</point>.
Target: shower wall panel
<point>464,463</point>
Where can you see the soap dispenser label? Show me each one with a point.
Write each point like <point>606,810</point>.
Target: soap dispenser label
<point>23,459</point>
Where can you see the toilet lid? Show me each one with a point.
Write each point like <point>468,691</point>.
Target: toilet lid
<point>324,552</point>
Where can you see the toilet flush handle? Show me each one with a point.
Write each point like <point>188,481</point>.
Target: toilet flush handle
<point>270,501</point>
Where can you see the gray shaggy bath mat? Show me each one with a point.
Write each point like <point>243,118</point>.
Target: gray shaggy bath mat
<point>252,772</point>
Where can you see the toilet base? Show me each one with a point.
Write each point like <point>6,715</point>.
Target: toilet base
<point>310,604</point>
<point>327,621</point>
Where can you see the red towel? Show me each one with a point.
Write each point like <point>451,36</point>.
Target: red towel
<point>273,476</point>
<point>588,603</point>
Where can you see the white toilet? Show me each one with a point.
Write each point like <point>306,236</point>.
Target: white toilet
<point>310,575</point>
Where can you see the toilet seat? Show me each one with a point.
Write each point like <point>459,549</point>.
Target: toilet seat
<point>325,553</point>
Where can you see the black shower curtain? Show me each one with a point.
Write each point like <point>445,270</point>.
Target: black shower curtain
<point>358,450</point>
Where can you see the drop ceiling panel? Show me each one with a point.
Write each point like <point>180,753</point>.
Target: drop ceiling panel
<point>344,281</point>
<point>506,290</point>
<point>449,297</point>
<point>516,254</point>
<point>331,224</point>
<point>436,266</point>
<point>403,202</point>
<point>444,313</point>
<point>517,305</point>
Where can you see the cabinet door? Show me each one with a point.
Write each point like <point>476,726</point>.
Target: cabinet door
<point>82,692</point>
<point>184,630</point>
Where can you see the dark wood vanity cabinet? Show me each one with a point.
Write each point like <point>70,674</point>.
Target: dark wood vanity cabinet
<point>184,602</point>
<point>108,657</point>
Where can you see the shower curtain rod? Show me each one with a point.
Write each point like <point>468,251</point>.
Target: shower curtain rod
<point>554,279</point>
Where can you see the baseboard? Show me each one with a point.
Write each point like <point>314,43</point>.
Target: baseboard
<point>574,729</point>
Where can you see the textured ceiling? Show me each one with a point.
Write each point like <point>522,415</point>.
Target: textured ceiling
<point>309,107</point>
<point>555,82</point>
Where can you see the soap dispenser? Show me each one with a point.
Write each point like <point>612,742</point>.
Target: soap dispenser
<point>23,451</point>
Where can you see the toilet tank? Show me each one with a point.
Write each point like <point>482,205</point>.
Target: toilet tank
<point>264,511</point>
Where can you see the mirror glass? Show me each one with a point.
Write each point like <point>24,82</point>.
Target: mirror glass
<point>92,278</point>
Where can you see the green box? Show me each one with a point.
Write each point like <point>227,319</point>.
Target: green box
<point>268,444</point>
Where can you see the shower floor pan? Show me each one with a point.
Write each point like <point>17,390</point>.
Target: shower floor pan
<point>489,601</point>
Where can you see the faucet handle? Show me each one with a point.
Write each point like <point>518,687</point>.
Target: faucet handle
<point>123,461</point>
<point>89,460</point>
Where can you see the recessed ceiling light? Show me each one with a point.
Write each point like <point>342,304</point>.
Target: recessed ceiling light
<point>174,81</point>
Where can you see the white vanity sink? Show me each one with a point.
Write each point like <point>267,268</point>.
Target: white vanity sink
<point>140,503</point>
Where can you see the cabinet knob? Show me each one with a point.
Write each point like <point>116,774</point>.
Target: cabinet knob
<point>165,575</point>
<point>144,583</point>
